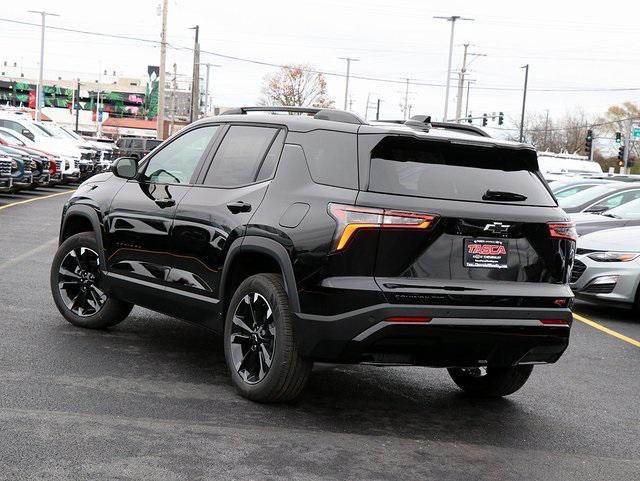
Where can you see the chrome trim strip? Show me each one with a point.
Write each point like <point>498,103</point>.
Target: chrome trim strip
<point>153,285</point>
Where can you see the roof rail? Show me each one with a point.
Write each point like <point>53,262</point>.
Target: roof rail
<point>317,112</point>
<point>423,122</point>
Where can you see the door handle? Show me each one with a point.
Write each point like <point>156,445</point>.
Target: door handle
<point>165,202</point>
<point>236,207</point>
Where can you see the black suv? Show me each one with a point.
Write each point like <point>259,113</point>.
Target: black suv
<point>320,237</point>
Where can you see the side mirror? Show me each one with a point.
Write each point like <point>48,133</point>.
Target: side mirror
<point>125,167</point>
<point>28,134</point>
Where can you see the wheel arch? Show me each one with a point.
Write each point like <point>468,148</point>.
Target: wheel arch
<point>252,255</point>
<point>82,218</point>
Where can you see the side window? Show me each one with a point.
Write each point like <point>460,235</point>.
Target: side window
<point>136,144</point>
<point>268,167</point>
<point>606,204</point>
<point>13,126</point>
<point>176,162</point>
<point>240,155</point>
<point>332,158</point>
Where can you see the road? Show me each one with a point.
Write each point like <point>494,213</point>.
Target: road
<point>150,400</point>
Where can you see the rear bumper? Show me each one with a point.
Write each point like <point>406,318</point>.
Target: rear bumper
<point>454,337</point>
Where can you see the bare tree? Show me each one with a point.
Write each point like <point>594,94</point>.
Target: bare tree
<point>567,134</point>
<point>617,116</point>
<point>296,85</point>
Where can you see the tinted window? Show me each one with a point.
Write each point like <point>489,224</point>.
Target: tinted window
<point>12,125</point>
<point>136,143</point>
<point>239,156</point>
<point>407,166</point>
<point>270,161</point>
<point>332,158</point>
<point>176,162</point>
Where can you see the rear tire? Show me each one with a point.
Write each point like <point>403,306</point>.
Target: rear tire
<point>74,281</point>
<point>263,359</point>
<point>496,382</point>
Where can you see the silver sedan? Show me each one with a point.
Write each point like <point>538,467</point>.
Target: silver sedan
<point>607,267</point>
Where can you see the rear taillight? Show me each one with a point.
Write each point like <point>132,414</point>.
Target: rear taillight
<point>563,230</point>
<point>351,219</point>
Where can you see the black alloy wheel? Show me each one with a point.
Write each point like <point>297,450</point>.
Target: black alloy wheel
<point>253,338</point>
<point>77,282</point>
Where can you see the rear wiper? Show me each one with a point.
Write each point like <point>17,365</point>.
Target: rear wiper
<point>503,196</point>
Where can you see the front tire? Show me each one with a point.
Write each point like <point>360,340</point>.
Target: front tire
<point>490,381</point>
<point>260,344</point>
<point>75,271</point>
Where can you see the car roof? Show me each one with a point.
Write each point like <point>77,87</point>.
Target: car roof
<point>306,123</point>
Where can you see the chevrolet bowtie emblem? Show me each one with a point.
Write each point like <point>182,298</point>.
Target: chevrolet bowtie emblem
<point>497,228</point>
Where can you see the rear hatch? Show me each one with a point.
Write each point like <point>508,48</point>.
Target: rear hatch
<point>496,235</point>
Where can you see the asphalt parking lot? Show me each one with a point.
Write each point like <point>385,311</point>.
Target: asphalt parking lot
<point>150,399</point>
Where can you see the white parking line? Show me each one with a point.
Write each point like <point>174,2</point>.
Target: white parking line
<point>37,198</point>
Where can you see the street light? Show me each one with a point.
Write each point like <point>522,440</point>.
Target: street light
<point>453,20</point>
<point>39,89</point>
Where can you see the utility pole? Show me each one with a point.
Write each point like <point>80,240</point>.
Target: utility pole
<point>207,100</point>
<point>173,98</point>
<point>466,108</point>
<point>346,87</point>
<point>405,109</point>
<point>39,90</point>
<point>378,110</point>
<point>453,19</point>
<point>546,130</point>
<point>162,79</point>
<point>524,100</point>
<point>461,75</point>
<point>195,86</point>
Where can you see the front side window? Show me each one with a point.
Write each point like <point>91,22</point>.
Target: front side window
<point>176,162</point>
<point>240,155</point>
<point>11,139</point>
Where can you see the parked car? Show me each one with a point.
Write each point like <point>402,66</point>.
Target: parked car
<point>600,198</point>
<point>625,215</point>
<point>136,147</point>
<point>567,189</point>
<point>23,125</point>
<point>7,165</point>
<point>21,175</point>
<point>607,267</point>
<point>323,238</point>
<point>23,144</point>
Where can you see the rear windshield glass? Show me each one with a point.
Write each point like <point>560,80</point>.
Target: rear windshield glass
<point>408,166</point>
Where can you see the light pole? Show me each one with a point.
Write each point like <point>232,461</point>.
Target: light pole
<point>524,100</point>
<point>346,87</point>
<point>453,19</point>
<point>39,89</point>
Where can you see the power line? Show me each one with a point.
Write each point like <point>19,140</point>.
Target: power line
<point>421,83</point>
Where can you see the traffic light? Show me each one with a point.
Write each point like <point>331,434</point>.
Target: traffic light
<point>500,118</point>
<point>470,119</point>
<point>621,154</point>
<point>588,143</point>
<point>484,120</point>
<point>618,137</point>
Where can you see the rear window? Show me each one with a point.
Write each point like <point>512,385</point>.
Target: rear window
<point>408,166</point>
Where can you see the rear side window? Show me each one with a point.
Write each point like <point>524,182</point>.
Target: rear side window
<point>240,155</point>
<point>332,158</point>
<point>407,166</point>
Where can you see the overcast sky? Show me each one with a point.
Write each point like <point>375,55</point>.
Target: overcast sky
<point>568,44</point>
